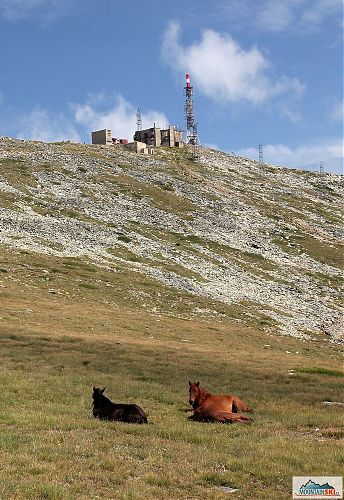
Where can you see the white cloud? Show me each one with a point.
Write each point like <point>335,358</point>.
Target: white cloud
<point>303,16</point>
<point>225,71</point>
<point>277,15</point>
<point>319,10</point>
<point>78,121</point>
<point>44,126</point>
<point>337,113</point>
<point>306,157</point>
<point>116,114</point>
<point>14,10</point>
<point>288,112</point>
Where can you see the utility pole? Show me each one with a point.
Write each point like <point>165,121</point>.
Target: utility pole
<point>260,154</point>
<point>138,120</point>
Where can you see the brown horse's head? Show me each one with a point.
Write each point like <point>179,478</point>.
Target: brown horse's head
<point>194,394</point>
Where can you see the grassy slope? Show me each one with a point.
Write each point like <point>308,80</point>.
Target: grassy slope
<point>55,347</point>
<point>67,324</point>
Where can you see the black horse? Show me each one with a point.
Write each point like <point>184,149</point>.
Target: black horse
<point>105,409</point>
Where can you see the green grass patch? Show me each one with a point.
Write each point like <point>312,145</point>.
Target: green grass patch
<point>218,480</point>
<point>124,238</point>
<point>8,200</point>
<point>88,286</point>
<point>320,371</point>
<point>162,198</point>
<point>332,255</point>
<point>72,214</point>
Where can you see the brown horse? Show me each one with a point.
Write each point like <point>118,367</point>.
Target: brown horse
<point>209,407</point>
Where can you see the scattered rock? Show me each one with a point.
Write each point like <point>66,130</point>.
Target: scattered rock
<point>333,403</point>
<point>226,234</point>
<point>228,489</point>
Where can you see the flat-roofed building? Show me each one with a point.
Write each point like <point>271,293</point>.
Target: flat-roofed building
<point>102,137</point>
<point>156,137</point>
<point>140,147</point>
<point>105,137</point>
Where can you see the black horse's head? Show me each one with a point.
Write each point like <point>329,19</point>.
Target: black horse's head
<point>98,395</point>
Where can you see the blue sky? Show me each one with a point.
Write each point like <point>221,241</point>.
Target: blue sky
<point>264,72</point>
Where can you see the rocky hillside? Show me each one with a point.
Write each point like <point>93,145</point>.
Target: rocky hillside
<point>231,238</point>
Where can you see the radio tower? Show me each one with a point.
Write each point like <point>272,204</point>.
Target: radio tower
<point>138,120</point>
<point>321,168</point>
<point>191,125</point>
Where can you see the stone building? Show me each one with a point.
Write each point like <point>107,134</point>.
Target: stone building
<point>105,137</point>
<point>140,147</point>
<point>156,137</point>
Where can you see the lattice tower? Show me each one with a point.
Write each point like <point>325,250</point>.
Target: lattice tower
<point>191,125</point>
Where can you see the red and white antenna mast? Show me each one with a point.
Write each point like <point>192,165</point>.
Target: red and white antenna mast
<point>191,125</point>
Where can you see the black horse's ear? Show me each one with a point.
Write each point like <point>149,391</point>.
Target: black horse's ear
<point>190,383</point>
<point>102,390</point>
<point>94,388</point>
<point>197,384</point>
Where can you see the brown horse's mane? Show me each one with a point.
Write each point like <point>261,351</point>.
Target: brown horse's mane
<point>202,394</point>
